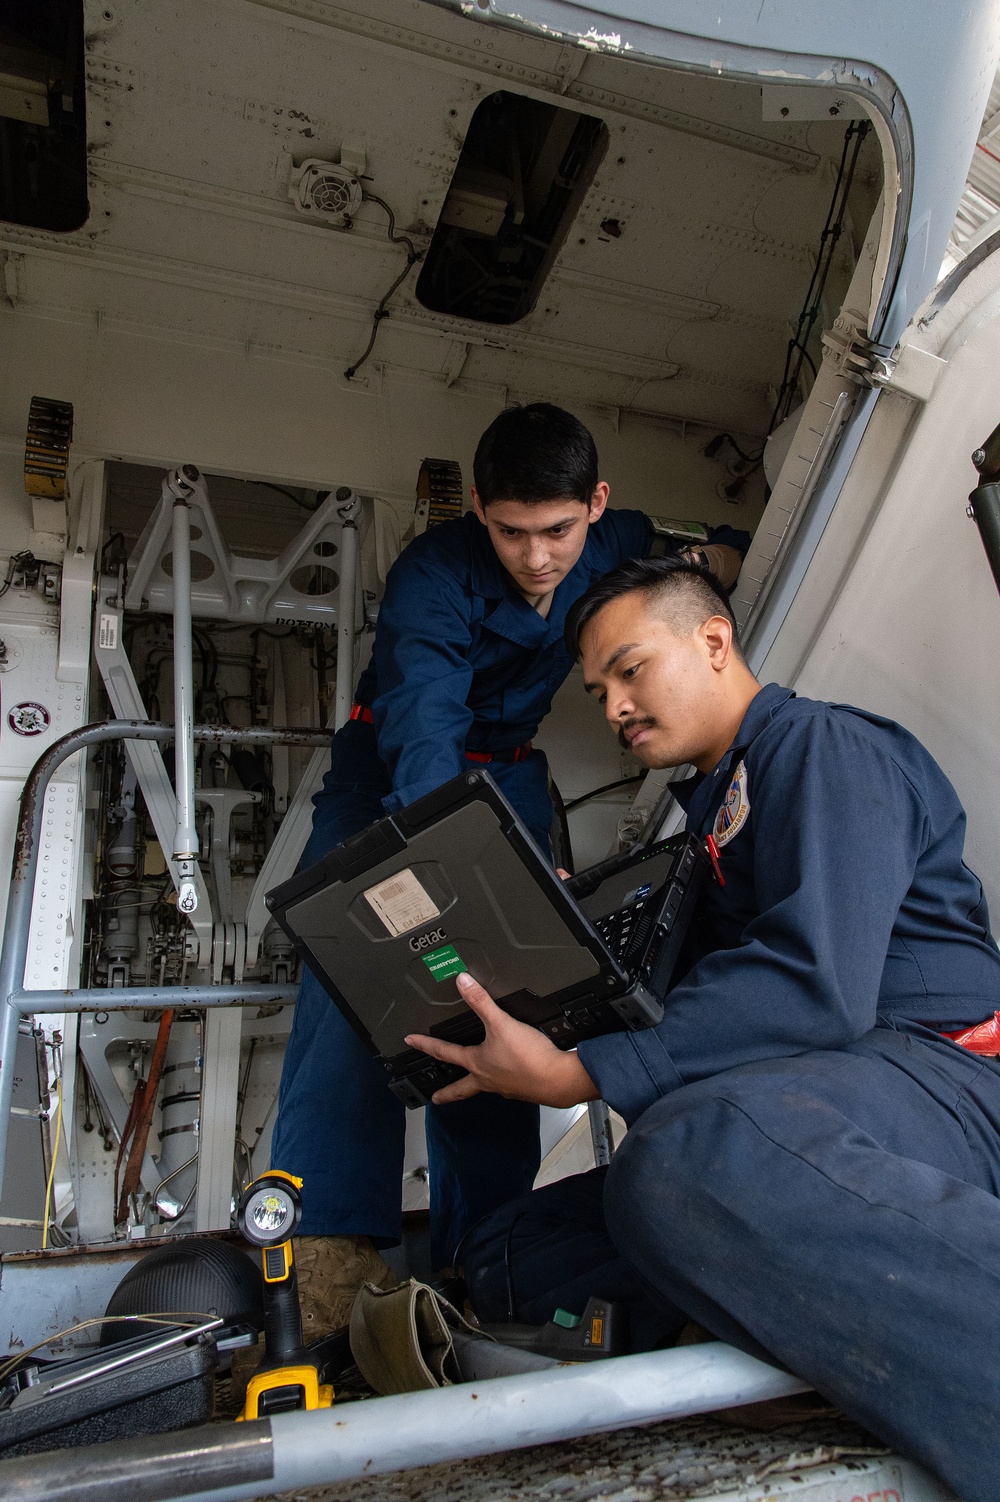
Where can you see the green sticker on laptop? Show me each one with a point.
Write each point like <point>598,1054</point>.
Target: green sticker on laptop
<point>444,963</point>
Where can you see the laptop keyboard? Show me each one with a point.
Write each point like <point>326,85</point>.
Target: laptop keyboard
<point>620,929</point>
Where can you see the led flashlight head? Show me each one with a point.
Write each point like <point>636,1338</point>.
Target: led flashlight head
<point>269,1210</point>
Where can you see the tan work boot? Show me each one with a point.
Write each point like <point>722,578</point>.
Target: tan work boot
<point>331,1271</point>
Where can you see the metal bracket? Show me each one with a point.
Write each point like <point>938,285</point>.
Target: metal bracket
<point>913,373</point>
<point>853,354</point>
<point>123,691</point>
<point>909,370</point>
<point>238,589</point>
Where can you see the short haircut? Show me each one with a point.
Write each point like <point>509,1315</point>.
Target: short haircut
<point>535,453</point>
<point>685,593</point>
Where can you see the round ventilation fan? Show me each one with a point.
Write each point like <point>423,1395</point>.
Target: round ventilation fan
<point>326,191</point>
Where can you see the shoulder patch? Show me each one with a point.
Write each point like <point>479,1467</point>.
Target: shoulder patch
<point>734,812</point>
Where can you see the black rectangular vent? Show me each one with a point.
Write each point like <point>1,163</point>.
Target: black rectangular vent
<point>522,175</point>
<point>43,127</point>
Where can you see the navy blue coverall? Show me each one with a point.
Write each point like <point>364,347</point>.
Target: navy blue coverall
<point>811,1172</point>
<point>461,662</point>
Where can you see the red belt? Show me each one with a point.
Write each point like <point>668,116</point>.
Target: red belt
<point>983,1038</point>
<point>518,754</point>
<point>363,713</point>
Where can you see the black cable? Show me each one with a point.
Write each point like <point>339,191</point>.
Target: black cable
<point>391,232</point>
<point>17,560</point>
<point>623,782</point>
<point>832,231</point>
<point>713,446</point>
<point>209,657</point>
<point>115,537</point>
<point>412,257</point>
<point>806,356</point>
<point>508,1269</point>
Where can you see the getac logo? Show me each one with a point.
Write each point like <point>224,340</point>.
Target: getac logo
<point>420,942</point>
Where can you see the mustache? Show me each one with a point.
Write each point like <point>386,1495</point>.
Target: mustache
<point>638,722</point>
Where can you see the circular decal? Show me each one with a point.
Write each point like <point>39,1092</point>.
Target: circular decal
<point>29,719</point>
<point>734,812</point>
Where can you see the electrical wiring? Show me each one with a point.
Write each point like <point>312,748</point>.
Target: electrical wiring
<point>412,257</point>
<point>391,231</point>
<point>52,1165</point>
<point>797,353</point>
<point>714,444</point>
<point>17,560</point>
<point>191,1319</point>
<point>115,537</point>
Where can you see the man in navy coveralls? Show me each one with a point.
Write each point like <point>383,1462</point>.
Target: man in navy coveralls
<point>812,1167</point>
<point>468,653</point>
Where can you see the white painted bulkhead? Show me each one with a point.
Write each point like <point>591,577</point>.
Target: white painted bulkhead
<point>898,611</point>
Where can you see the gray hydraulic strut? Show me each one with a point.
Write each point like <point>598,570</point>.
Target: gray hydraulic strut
<point>984,502</point>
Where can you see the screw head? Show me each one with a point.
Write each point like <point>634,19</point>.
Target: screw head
<point>978,457</point>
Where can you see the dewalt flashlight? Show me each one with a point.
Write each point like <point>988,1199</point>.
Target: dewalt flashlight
<point>288,1378</point>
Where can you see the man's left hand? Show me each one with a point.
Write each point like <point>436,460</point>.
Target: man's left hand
<point>514,1060</point>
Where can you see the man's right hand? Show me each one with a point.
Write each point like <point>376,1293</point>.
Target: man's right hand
<point>514,1060</point>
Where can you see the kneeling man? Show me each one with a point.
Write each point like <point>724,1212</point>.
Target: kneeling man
<point>812,1168</point>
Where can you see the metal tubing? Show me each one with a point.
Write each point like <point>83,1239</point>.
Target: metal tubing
<point>185,834</point>
<point>121,998</point>
<point>512,1413</point>
<point>348,509</point>
<point>600,1132</point>
<point>331,1445</point>
<point>14,999</point>
<point>8,1044</point>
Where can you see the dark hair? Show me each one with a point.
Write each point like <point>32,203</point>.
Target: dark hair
<point>535,453</point>
<point>657,578</point>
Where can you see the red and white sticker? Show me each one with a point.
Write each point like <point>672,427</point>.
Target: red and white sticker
<point>29,719</point>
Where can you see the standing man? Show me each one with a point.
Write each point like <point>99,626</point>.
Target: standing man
<point>812,1168</point>
<point>468,653</point>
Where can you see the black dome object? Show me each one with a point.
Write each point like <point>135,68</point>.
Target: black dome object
<point>194,1275</point>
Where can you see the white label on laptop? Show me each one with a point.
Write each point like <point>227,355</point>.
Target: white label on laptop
<point>402,903</point>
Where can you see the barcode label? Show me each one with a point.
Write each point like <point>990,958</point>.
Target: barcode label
<point>402,903</point>
<point>107,633</point>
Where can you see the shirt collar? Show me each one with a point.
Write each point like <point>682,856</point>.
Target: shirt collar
<point>761,709</point>
<point>511,616</point>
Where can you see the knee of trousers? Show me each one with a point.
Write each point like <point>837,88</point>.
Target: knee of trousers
<point>684,1187</point>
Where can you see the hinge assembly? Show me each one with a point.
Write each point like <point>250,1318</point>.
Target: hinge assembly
<point>855,355</point>
<point>908,369</point>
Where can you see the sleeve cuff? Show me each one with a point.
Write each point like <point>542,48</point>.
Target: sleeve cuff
<point>631,1070</point>
<point>730,537</point>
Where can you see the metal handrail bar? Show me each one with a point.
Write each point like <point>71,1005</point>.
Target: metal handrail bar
<point>15,1001</point>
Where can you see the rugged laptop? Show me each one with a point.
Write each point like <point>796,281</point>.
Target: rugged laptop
<point>455,882</point>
